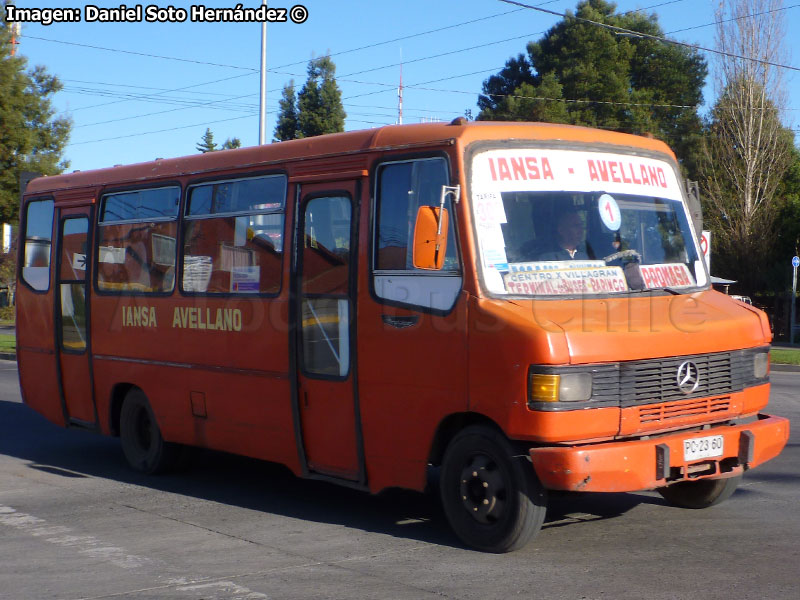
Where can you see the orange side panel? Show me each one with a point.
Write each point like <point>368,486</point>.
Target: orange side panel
<point>39,384</point>
<point>243,414</point>
<point>36,358</point>
<point>633,464</point>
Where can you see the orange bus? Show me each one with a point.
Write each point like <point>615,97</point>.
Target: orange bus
<point>522,305</point>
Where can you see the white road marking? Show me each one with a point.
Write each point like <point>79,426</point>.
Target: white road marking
<point>226,590</point>
<point>68,538</point>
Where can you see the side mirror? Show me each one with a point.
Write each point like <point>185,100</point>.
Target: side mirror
<point>430,238</point>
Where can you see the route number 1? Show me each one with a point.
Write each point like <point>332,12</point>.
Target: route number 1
<point>609,212</point>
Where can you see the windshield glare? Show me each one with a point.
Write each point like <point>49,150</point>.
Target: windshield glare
<point>591,230</point>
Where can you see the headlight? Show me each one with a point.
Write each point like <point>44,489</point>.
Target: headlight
<point>760,365</point>
<point>569,387</point>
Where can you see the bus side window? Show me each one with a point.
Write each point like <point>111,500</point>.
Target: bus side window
<point>137,241</point>
<point>233,236</point>
<point>402,187</point>
<point>38,235</point>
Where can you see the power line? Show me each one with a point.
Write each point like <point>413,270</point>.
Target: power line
<point>479,46</point>
<point>413,35</point>
<point>369,46</point>
<point>274,69</point>
<point>420,86</point>
<point>145,54</point>
<point>200,62</point>
<point>120,137</point>
<point>766,12</point>
<point>191,104</point>
<point>180,89</point>
<point>651,37</point>
<point>200,105</point>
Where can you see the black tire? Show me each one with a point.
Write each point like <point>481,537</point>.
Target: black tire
<point>142,443</point>
<point>492,498</point>
<point>701,493</point>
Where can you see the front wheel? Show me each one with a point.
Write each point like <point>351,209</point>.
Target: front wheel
<point>491,497</point>
<point>700,494</point>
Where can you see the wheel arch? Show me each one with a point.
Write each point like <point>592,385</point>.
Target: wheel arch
<point>449,428</point>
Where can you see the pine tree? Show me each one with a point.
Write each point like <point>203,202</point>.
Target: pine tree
<point>317,109</point>
<point>287,127</point>
<point>319,103</point>
<point>32,137</point>
<point>207,143</point>
<point>232,143</point>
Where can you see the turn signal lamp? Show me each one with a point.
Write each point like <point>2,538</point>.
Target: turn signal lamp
<point>544,388</point>
<point>568,387</point>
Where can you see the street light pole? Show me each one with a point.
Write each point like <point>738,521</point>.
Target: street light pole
<point>795,264</point>
<point>262,120</point>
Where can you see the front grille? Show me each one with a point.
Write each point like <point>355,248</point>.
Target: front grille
<point>656,380</point>
<point>663,413</point>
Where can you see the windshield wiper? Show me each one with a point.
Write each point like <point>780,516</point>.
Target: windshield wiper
<point>666,288</point>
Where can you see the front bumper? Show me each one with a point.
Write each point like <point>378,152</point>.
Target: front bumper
<point>643,464</point>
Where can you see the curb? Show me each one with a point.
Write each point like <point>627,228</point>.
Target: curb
<point>8,356</point>
<point>785,368</point>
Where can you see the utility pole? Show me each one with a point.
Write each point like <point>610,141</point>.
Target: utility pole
<point>16,31</point>
<point>262,119</point>
<point>400,93</point>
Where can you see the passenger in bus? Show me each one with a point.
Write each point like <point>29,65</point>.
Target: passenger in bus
<point>569,242</point>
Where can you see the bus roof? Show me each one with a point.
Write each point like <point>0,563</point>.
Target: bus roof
<point>338,144</point>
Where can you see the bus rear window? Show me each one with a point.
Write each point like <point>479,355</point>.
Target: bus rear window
<point>38,235</point>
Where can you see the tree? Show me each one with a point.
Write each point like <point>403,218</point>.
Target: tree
<point>747,150</point>
<point>207,143</point>
<point>231,143</point>
<point>318,108</point>
<point>288,127</point>
<point>319,103</point>
<point>787,227</point>
<point>32,137</point>
<point>584,74</point>
<point>8,275</point>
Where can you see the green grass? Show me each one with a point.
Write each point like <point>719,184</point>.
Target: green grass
<point>8,343</point>
<point>785,356</point>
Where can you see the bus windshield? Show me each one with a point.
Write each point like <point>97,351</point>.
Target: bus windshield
<point>562,222</point>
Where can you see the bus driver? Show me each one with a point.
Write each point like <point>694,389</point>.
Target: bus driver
<point>569,243</point>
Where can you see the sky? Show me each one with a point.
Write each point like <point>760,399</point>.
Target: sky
<point>137,91</point>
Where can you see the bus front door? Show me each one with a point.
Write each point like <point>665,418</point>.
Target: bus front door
<point>324,317</point>
<point>72,313</point>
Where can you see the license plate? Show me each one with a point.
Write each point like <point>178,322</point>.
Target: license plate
<point>704,447</point>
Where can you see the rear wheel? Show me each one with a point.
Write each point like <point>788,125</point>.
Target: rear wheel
<point>142,443</point>
<point>701,493</point>
<point>492,498</point>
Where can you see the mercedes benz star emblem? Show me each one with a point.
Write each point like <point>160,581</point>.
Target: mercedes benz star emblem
<point>688,377</point>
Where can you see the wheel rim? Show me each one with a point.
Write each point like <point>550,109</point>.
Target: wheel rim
<point>483,489</point>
